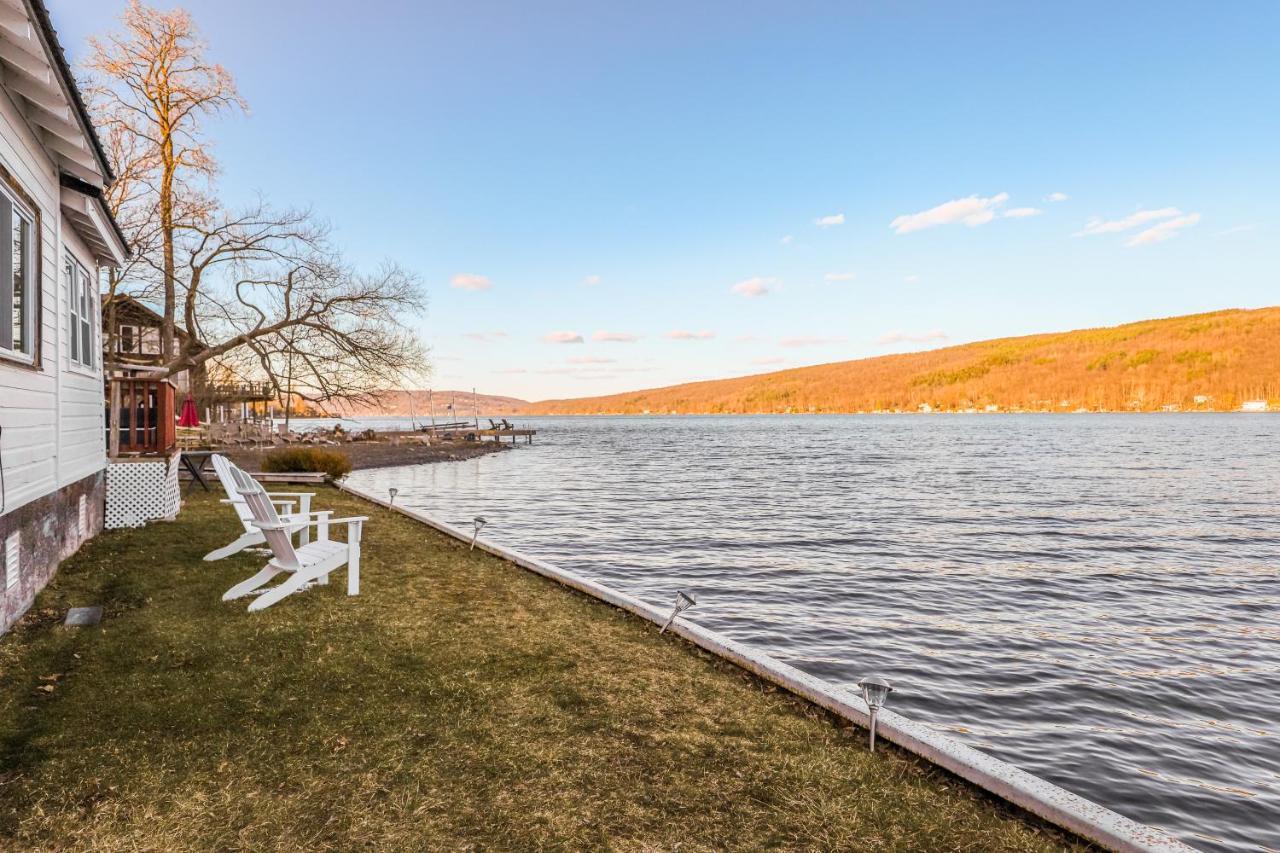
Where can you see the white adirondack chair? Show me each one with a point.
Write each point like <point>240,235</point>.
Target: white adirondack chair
<point>252,536</point>
<point>307,564</point>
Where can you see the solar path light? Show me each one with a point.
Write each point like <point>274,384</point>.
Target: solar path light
<point>478,524</point>
<point>875,690</point>
<point>683,602</point>
<point>393,491</point>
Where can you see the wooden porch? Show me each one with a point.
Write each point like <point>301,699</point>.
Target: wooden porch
<point>147,418</point>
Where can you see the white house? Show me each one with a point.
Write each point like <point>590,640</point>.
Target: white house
<point>52,172</point>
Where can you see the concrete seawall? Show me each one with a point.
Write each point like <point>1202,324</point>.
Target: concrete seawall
<point>1037,796</point>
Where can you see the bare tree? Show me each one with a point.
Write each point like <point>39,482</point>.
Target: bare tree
<point>259,291</point>
<point>272,284</point>
<point>154,91</point>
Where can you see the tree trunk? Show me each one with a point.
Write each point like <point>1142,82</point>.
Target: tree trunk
<point>166,233</point>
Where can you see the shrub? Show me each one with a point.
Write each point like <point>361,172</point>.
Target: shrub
<point>292,459</point>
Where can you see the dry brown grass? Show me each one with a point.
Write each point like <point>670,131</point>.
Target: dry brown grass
<point>458,703</point>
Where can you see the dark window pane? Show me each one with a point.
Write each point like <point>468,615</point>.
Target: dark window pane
<point>86,320</point>
<point>69,271</point>
<point>20,236</point>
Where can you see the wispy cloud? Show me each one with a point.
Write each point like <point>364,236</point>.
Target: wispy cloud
<point>591,359</point>
<point>485,336</point>
<point>809,342</point>
<point>563,338</point>
<point>1164,231</point>
<point>904,338</point>
<point>1238,229</point>
<point>684,335</point>
<point>840,276</point>
<point>470,281</point>
<point>773,359</point>
<point>1057,197</point>
<point>1022,212</point>
<point>614,337</point>
<point>972,211</point>
<point>591,280</point>
<point>829,220</point>
<point>1098,225</point>
<point>754,286</point>
<point>786,239</point>
<point>911,279</point>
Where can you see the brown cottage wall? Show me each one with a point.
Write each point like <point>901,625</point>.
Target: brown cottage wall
<point>50,533</point>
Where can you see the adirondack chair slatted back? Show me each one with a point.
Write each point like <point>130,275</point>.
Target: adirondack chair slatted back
<point>278,537</point>
<point>223,467</point>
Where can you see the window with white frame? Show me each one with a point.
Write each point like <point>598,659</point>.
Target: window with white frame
<point>18,298</point>
<point>82,297</point>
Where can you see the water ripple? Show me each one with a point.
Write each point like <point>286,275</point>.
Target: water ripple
<point>1092,598</point>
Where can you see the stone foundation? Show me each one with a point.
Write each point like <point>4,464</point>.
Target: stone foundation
<point>49,530</point>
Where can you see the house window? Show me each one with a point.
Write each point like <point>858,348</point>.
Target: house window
<point>17,279</point>
<point>127,339</point>
<point>82,297</point>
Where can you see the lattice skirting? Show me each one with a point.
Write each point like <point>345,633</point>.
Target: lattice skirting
<point>139,491</point>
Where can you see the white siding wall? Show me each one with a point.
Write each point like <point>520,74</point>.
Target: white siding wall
<point>82,449</point>
<point>51,418</point>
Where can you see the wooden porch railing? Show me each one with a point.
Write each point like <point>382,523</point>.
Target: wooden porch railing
<point>147,423</point>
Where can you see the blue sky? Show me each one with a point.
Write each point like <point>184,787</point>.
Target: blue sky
<point>615,170</point>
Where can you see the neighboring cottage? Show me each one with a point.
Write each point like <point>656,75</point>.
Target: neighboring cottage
<point>136,345</point>
<point>137,342</point>
<point>60,232</point>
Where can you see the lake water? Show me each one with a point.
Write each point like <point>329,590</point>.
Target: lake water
<point>1094,598</point>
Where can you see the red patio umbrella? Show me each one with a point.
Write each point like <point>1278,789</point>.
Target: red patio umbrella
<point>189,416</point>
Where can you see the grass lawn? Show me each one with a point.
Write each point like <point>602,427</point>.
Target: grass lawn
<point>458,703</point>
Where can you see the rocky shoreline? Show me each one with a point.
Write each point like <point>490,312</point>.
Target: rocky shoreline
<point>384,454</point>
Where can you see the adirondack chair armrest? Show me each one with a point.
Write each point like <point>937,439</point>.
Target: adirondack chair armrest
<point>291,494</point>
<point>349,520</point>
<point>288,505</point>
<point>271,525</point>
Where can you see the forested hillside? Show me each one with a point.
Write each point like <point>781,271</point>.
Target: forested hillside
<point>1213,361</point>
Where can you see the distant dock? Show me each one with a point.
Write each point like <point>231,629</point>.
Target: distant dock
<point>471,432</point>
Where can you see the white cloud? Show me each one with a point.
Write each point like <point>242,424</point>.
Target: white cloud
<point>470,281</point>
<point>1238,229</point>
<point>786,239</point>
<point>775,359</point>
<point>485,336</point>
<point>614,337</point>
<point>809,342</point>
<point>563,338</point>
<point>830,220</point>
<point>1098,225</point>
<point>1165,230</point>
<point>683,335</point>
<point>1022,212</point>
<point>1057,197</point>
<point>754,286</point>
<point>591,280</point>
<point>911,279</point>
<point>904,338</point>
<point>972,211</point>
<point>840,276</point>
<point>591,359</point>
